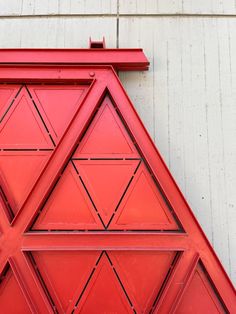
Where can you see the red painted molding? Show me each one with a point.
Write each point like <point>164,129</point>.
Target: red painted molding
<point>120,59</point>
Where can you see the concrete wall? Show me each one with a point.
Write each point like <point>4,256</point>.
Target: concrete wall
<point>188,98</point>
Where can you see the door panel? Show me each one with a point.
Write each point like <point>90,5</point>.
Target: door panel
<point>90,219</point>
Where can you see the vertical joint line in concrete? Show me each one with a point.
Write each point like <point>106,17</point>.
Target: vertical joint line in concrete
<point>117,23</point>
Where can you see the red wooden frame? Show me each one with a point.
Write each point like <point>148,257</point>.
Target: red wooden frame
<point>97,67</point>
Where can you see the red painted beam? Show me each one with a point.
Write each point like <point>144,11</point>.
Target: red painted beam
<point>120,59</point>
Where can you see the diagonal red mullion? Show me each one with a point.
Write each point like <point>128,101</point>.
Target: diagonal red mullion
<point>3,265</point>
<point>5,108</point>
<point>41,173</point>
<point>219,278</point>
<point>4,222</point>
<point>7,198</point>
<point>61,154</point>
<point>18,276</point>
<point>28,278</point>
<point>104,241</point>
<point>177,281</point>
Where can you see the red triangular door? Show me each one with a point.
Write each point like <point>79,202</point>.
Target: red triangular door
<point>96,222</point>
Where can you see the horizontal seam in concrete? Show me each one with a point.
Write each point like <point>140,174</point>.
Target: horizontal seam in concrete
<point>111,15</point>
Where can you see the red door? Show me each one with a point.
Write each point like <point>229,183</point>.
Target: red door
<point>91,220</point>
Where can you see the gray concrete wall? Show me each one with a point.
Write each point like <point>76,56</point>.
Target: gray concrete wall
<point>188,98</point>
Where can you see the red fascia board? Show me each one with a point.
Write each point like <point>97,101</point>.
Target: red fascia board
<point>120,59</point>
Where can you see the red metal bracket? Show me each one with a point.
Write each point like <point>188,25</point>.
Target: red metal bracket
<point>97,44</point>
